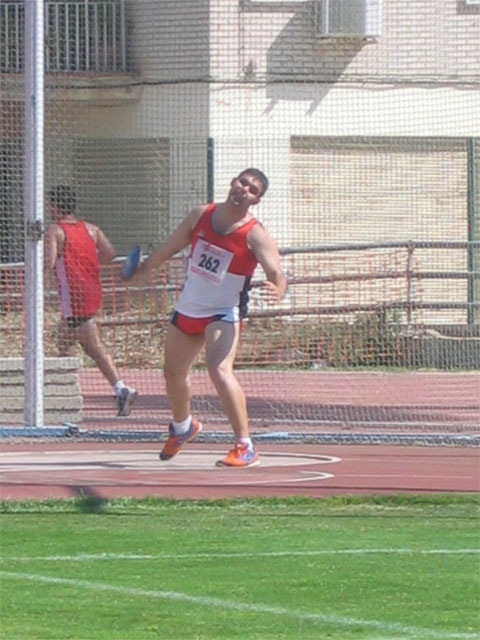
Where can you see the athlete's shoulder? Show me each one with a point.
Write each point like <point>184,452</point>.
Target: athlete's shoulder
<point>207,208</point>
<point>89,226</point>
<point>257,230</point>
<point>197,213</point>
<point>259,238</point>
<point>55,230</point>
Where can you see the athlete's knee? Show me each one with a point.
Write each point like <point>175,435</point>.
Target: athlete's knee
<point>221,374</point>
<point>173,373</point>
<point>92,345</point>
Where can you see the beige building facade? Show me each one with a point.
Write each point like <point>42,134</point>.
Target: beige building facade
<point>365,138</point>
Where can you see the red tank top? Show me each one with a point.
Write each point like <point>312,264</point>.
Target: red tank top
<point>78,272</point>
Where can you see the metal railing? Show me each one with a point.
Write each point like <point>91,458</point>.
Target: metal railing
<point>80,36</point>
<point>410,274</point>
<point>404,299</point>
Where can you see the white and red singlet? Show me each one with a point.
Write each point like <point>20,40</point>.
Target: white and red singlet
<point>220,268</point>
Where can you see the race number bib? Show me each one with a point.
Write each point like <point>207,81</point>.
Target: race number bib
<point>209,261</point>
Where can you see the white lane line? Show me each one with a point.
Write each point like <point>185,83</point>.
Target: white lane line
<point>108,461</point>
<point>221,603</point>
<point>91,478</point>
<point>82,557</point>
<point>403,475</point>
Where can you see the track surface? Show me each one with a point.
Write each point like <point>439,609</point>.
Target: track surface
<point>106,470</point>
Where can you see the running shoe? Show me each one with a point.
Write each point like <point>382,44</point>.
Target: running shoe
<point>176,441</point>
<point>125,400</point>
<point>240,456</point>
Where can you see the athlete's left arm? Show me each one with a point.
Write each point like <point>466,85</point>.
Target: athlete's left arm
<point>265,249</point>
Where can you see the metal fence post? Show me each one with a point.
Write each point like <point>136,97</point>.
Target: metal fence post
<point>472,219</point>
<point>33,213</point>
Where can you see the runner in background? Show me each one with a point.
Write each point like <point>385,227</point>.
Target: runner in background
<point>75,249</point>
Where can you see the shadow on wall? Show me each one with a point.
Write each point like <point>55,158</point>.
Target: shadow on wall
<point>297,55</point>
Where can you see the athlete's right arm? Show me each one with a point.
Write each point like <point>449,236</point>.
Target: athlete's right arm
<point>178,240</point>
<point>106,251</point>
<point>54,245</point>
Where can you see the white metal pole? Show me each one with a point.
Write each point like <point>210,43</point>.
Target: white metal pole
<point>33,212</point>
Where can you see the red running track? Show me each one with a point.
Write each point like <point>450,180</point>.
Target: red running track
<point>405,402</point>
<point>106,470</point>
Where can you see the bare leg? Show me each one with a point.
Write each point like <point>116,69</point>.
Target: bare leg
<point>221,347</point>
<point>180,352</point>
<point>89,336</point>
<point>67,339</point>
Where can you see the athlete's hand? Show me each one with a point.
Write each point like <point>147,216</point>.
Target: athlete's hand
<point>269,292</point>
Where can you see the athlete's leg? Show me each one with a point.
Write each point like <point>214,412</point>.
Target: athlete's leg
<point>180,352</point>
<point>221,341</point>
<point>92,344</point>
<point>67,339</point>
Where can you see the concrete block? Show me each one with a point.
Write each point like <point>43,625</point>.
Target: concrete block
<point>62,399</point>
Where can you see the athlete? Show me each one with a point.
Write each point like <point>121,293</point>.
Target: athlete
<point>75,250</point>
<point>226,244</point>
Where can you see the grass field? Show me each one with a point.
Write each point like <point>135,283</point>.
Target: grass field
<point>290,569</point>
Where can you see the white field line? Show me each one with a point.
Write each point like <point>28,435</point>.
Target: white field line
<point>221,603</point>
<point>83,557</point>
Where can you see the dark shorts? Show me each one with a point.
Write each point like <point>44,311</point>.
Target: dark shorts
<point>75,322</point>
<point>195,326</point>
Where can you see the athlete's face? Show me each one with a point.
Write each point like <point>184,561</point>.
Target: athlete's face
<point>245,190</point>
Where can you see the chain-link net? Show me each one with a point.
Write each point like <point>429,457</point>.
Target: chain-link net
<point>364,116</point>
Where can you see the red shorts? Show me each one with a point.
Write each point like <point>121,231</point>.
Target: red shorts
<point>195,326</point>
